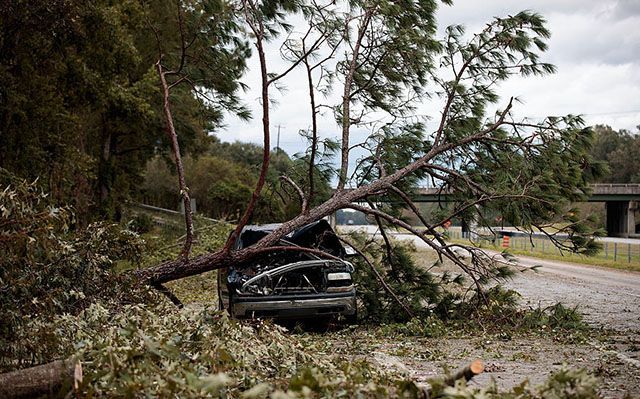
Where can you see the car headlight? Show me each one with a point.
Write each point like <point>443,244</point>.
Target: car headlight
<point>338,276</point>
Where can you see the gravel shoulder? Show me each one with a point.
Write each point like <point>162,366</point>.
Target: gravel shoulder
<point>608,298</point>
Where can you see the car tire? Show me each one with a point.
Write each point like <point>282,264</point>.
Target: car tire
<point>352,318</point>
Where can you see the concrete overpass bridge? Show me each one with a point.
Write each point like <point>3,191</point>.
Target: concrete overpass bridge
<point>622,203</point>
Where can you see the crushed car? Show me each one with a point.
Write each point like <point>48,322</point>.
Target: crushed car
<point>290,284</point>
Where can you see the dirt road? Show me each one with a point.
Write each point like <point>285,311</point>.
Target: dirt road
<point>608,299</point>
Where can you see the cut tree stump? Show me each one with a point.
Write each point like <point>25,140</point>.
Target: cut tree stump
<point>472,370</point>
<point>476,367</point>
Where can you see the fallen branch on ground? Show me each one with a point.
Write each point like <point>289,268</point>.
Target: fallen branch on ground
<point>44,380</point>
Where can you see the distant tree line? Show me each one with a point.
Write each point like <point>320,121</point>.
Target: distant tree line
<point>620,149</point>
<point>221,179</point>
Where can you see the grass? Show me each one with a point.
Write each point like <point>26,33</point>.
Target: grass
<point>628,256</point>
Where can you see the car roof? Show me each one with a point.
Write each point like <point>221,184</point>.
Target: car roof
<point>261,227</point>
<point>272,226</point>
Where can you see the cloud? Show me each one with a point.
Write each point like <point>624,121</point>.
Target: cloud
<point>580,38</point>
<point>603,93</point>
<point>624,9</point>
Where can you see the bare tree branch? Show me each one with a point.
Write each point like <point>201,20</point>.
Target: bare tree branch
<point>175,147</point>
<point>346,100</point>
<point>304,204</point>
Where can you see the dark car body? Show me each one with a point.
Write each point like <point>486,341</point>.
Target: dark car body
<point>290,284</point>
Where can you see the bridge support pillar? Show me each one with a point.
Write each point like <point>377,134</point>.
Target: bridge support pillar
<point>621,218</point>
<point>633,219</point>
<point>465,229</point>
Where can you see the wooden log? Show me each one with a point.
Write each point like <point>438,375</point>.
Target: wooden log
<point>472,370</point>
<point>44,380</point>
<point>476,367</point>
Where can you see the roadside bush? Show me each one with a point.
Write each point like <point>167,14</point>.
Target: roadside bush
<point>141,223</point>
<point>48,269</point>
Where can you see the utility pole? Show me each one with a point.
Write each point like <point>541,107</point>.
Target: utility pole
<point>278,139</point>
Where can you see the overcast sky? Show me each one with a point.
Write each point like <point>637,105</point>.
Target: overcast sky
<point>595,45</point>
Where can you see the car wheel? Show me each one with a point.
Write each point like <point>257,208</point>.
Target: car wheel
<point>352,318</point>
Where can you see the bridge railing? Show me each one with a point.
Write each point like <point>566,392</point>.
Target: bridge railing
<point>634,185</point>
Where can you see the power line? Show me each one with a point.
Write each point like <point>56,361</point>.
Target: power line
<point>614,113</point>
<point>633,111</point>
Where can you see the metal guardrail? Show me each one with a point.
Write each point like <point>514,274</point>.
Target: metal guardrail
<point>155,209</point>
<point>168,211</point>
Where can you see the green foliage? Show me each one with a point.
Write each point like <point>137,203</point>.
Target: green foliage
<point>569,384</point>
<point>162,352</point>
<point>418,288</point>
<point>397,56</point>
<point>160,185</point>
<point>78,92</point>
<point>204,349</point>
<point>223,178</point>
<point>564,384</point>
<point>430,327</point>
<point>503,314</point>
<point>141,224</point>
<point>440,302</point>
<point>46,269</point>
<point>221,187</point>
<point>555,317</point>
<point>63,299</point>
<point>489,165</point>
<point>197,352</point>
<point>620,150</point>
<point>395,147</point>
<point>165,243</point>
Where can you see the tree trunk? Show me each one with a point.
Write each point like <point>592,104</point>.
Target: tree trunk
<point>105,169</point>
<point>266,143</point>
<point>44,380</point>
<point>181,268</point>
<point>175,147</point>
